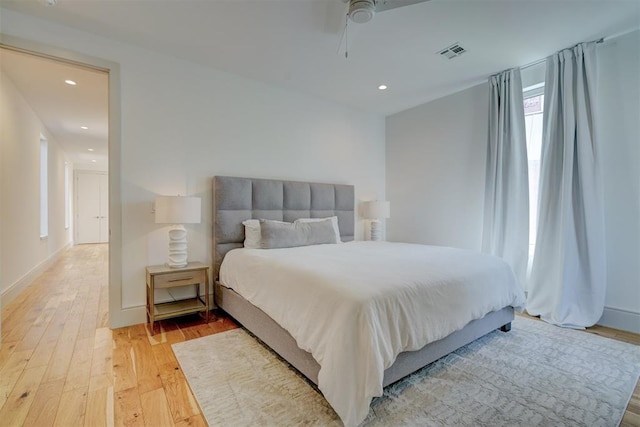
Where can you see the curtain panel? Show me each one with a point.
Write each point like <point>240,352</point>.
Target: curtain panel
<point>568,277</point>
<point>506,207</point>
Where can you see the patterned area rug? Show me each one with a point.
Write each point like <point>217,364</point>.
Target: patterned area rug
<point>535,375</point>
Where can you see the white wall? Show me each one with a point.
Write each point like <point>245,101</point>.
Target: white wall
<point>24,253</point>
<point>436,170</point>
<point>619,139</point>
<point>436,164</point>
<point>182,123</point>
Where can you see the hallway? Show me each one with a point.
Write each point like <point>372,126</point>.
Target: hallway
<point>55,360</point>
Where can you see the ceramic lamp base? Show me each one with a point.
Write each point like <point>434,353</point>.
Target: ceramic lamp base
<point>177,247</point>
<point>376,230</point>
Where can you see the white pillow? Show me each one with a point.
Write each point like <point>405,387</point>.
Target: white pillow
<point>252,234</point>
<point>334,222</point>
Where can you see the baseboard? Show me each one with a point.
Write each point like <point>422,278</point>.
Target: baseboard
<point>619,318</point>
<point>16,288</point>
<point>128,317</point>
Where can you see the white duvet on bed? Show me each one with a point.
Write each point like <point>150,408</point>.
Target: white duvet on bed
<point>356,306</point>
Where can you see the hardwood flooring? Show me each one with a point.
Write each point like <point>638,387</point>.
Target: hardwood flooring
<point>61,365</point>
<point>55,359</point>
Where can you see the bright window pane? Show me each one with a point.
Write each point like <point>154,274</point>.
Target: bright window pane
<point>533,110</point>
<point>44,188</point>
<point>67,197</point>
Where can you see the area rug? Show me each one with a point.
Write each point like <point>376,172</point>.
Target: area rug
<point>535,375</point>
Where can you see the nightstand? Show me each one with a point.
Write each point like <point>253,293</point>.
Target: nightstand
<point>162,276</point>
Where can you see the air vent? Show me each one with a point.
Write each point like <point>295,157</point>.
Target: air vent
<point>452,51</point>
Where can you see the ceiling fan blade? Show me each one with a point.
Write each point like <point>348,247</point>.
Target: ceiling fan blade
<point>382,5</point>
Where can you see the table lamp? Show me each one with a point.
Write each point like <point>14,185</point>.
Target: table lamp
<point>375,211</point>
<point>178,210</point>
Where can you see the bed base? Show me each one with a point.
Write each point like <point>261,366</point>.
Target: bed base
<point>279,340</point>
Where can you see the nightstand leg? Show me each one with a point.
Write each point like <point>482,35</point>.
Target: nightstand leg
<point>206,293</point>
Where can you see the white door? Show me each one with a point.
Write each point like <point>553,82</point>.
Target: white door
<point>92,201</point>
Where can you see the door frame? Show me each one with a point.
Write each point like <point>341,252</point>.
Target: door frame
<point>117,316</point>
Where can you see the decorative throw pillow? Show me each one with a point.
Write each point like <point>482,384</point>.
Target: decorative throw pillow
<point>334,223</point>
<point>277,234</point>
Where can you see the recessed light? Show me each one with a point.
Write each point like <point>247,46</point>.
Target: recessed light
<point>90,149</point>
<point>70,82</point>
<point>84,127</point>
<point>93,160</point>
<point>382,87</point>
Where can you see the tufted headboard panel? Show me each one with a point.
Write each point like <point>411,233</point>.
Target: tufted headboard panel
<point>239,199</point>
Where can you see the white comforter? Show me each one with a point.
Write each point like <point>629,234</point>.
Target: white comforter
<point>356,306</point>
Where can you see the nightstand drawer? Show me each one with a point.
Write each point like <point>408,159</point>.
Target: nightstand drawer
<point>179,278</point>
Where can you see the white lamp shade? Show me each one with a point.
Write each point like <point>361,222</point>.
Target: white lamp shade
<point>376,209</point>
<point>178,210</point>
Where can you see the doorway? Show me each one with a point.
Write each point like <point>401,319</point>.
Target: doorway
<point>84,151</point>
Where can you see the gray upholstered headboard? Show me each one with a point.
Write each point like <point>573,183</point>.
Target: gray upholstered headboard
<point>239,199</point>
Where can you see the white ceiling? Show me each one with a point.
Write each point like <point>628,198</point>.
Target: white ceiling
<point>64,109</point>
<point>295,44</point>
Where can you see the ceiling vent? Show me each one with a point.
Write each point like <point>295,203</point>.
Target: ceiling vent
<point>452,51</point>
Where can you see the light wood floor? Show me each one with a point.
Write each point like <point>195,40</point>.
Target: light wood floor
<point>55,360</point>
<point>61,365</point>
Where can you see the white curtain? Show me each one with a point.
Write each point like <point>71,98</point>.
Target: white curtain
<point>506,207</point>
<point>568,277</point>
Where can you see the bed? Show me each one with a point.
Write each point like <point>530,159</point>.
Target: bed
<point>240,199</point>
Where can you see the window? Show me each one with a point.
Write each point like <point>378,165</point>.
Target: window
<point>67,197</point>
<point>44,188</point>
<point>533,116</point>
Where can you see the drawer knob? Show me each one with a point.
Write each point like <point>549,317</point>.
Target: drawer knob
<point>181,279</point>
